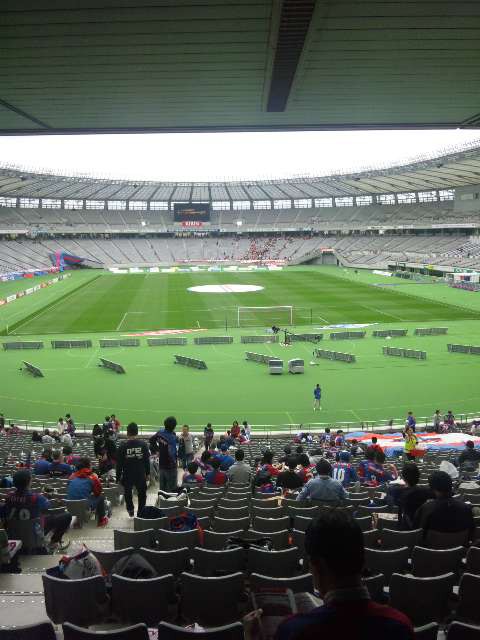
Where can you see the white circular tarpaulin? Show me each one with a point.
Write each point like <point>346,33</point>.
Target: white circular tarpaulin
<point>225,288</point>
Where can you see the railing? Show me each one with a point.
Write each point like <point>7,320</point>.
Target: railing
<point>266,430</point>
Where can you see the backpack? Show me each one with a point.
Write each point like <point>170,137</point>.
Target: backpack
<point>82,565</point>
<point>134,567</point>
<point>185,521</point>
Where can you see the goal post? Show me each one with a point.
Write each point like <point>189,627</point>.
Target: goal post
<point>265,316</point>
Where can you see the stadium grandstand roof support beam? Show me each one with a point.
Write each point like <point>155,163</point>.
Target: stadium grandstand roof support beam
<point>293,26</point>
<point>23,114</point>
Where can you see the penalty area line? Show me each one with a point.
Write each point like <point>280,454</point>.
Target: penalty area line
<point>125,315</point>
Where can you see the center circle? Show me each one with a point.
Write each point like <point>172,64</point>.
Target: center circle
<point>225,288</point>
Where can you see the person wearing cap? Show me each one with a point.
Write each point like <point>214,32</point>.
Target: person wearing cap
<point>444,513</point>
<point>343,471</point>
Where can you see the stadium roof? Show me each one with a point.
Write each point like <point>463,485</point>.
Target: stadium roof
<point>455,169</point>
<point>173,65</point>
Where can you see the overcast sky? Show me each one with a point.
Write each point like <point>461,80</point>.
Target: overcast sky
<point>222,156</point>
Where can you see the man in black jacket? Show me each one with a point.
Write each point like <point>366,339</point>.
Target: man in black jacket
<point>289,479</point>
<point>133,468</point>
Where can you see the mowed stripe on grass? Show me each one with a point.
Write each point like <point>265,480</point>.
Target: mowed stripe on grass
<point>157,301</point>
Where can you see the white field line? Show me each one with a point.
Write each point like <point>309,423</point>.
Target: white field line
<point>126,314</point>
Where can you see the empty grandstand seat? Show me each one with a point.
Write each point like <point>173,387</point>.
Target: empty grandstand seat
<point>271,525</point>
<point>386,562</point>
<point>375,584</point>
<point>232,513</point>
<point>462,631</point>
<point>207,562</point>
<point>143,524</point>
<point>216,540</point>
<point>393,539</point>
<point>268,512</point>
<point>233,631</point>
<point>436,562</point>
<point>83,602</point>
<point>472,561</point>
<point>423,600</point>
<point>134,632</point>
<point>297,584</point>
<point>225,525</point>
<point>168,540</point>
<point>173,561</point>
<point>427,631</point>
<point>193,590</point>
<point>80,509</point>
<point>108,558</point>
<point>132,599</point>
<point>136,539</point>
<point>278,564</point>
<point>42,631</point>
<point>442,540</point>
<point>468,609</point>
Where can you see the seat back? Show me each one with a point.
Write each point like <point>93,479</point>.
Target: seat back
<point>423,600</point>
<point>132,599</point>
<point>225,525</point>
<point>393,539</point>
<point>298,584</point>
<point>82,602</point>
<point>427,631</point>
<point>267,525</point>
<point>217,540</point>
<point>108,558</point>
<point>468,609</point>
<point>473,560</point>
<point>168,540</point>
<point>375,586</point>
<point>80,509</point>
<point>30,532</point>
<point>143,524</point>
<point>194,588</point>
<point>461,631</point>
<point>135,632</point>
<point>167,631</point>
<point>217,563</point>
<point>386,562</point>
<point>38,631</point>
<point>436,562</point>
<point>442,540</point>
<point>173,561</point>
<point>136,539</point>
<point>278,564</point>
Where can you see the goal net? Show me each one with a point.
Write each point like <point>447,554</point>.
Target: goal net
<point>264,316</point>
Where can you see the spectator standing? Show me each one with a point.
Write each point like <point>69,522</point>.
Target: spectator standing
<point>61,426</point>
<point>23,504</point>
<point>437,421</point>
<point>208,434</point>
<point>133,468</point>
<point>444,513</point>
<point>449,420</point>
<point>165,443</point>
<point>317,396</point>
<point>410,443</point>
<point>409,497</point>
<point>235,430</point>
<point>85,485</point>
<point>2,422</point>
<point>240,471</point>
<point>323,487</point>
<point>375,446</point>
<point>70,424</point>
<point>185,446</point>
<point>411,421</point>
<point>334,545</point>
<point>248,429</point>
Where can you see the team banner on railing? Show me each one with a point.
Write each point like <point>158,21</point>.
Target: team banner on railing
<point>26,292</point>
<point>393,444</point>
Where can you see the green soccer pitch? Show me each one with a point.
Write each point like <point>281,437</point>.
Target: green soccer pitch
<point>93,305</point>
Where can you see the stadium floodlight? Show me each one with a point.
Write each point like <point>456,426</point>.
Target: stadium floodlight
<point>265,316</point>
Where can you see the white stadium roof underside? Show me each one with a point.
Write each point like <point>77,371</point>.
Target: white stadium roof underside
<point>456,169</point>
<point>80,66</point>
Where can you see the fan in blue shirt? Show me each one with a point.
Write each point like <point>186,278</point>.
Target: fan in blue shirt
<point>343,471</point>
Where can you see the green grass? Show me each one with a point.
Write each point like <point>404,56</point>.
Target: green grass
<point>375,388</point>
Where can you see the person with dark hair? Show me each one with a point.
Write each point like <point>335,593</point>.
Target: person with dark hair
<point>343,470</point>
<point>204,461</point>
<point>43,464</point>
<point>226,461</point>
<point>410,443</point>
<point>23,504</point>
<point>240,471</point>
<point>36,437</point>
<point>306,469</point>
<point>191,476</point>
<point>444,513</point>
<point>375,446</point>
<point>287,450</point>
<point>208,434</point>
<point>133,468</point>
<point>288,479</point>
<point>165,443</point>
<point>267,466</point>
<point>469,457</point>
<point>215,476</point>
<point>325,437</point>
<point>58,467</point>
<point>85,485</point>
<point>323,487</point>
<point>235,430</point>
<point>335,549</point>
<point>409,498</point>
<point>70,458</point>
